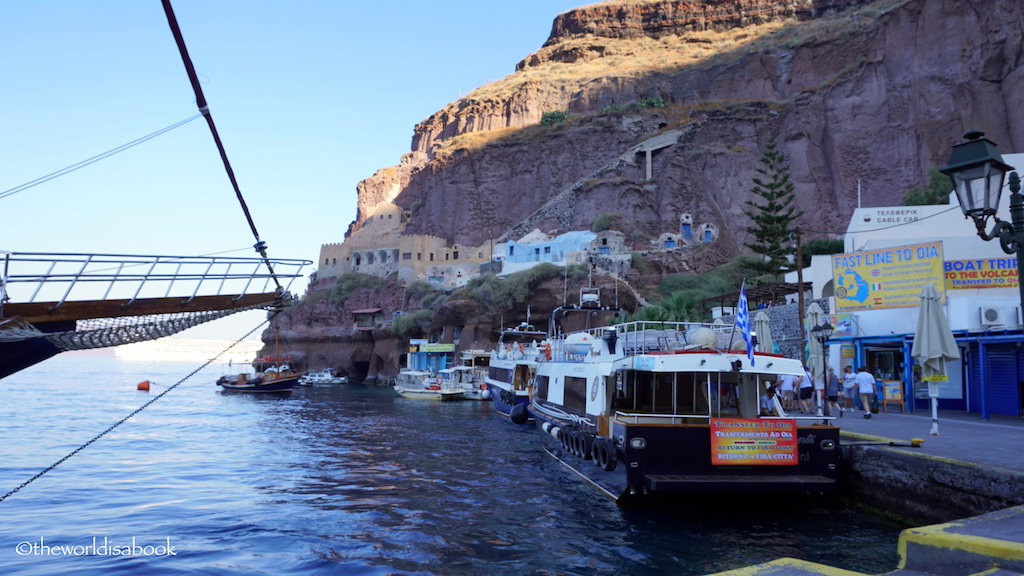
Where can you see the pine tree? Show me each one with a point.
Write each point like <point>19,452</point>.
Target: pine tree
<point>772,219</point>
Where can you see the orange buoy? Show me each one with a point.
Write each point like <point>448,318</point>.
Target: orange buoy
<point>144,385</point>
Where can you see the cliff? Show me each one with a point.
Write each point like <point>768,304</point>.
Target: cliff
<point>669,106</point>
<point>868,92</point>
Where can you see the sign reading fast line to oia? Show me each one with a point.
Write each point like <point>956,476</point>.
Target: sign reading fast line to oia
<point>887,278</point>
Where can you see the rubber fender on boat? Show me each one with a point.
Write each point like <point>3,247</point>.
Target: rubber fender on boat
<point>607,455</point>
<point>586,445</point>
<point>519,415</point>
<point>485,394</point>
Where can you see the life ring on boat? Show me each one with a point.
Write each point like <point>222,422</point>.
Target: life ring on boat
<point>437,381</point>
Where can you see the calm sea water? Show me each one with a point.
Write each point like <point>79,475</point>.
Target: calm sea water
<point>342,480</point>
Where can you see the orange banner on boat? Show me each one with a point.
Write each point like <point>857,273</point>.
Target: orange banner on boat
<point>753,441</point>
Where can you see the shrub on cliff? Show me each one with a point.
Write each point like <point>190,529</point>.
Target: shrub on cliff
<point>552,117</point>
<point>604,221</point>
<point>513,291</point>
<point>936,192</point>
<point>350,282</point>
<point>412,325</point>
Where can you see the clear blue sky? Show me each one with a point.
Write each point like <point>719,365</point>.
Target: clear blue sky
<point>309,97</point>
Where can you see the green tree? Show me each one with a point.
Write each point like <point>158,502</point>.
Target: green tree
<point>677,307</point>
<point>936,192</point>
<point>773,216</point>
<point>821,246</point>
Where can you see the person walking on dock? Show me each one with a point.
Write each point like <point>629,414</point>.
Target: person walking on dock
<point>849,387</point>
<point>832,394</point>
<point>866,388</point>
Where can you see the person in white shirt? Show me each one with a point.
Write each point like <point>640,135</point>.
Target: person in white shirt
<point>806,391</point>
<point>786,388</point>
<point>849,383</point>
<point>866,388</point>
<point>768,402</point>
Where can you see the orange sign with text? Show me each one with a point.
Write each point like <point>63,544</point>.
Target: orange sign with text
<point>753,441</point>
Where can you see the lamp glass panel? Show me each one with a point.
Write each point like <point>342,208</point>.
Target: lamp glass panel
<point>978,189</point>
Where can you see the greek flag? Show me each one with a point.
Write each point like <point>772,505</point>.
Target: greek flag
<point>743,321</point>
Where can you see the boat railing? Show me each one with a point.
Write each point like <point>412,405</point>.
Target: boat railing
<point>643,337</point>
<point>29,277</point>
<point>649,418</point>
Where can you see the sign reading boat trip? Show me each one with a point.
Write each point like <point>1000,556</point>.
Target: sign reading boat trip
<point>753,441</point>
<point>886,278</point>
<point>981,273</point>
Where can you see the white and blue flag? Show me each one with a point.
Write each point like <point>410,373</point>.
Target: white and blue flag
<point>743,322</point>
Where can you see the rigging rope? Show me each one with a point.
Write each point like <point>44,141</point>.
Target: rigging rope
<point>125,419</point>
<point>94,159</point>
<point>204,109</point>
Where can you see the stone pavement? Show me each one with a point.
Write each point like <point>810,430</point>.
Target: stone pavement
<point>997,442</point>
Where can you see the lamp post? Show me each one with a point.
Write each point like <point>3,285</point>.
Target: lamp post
<point>822,333</point>
<point>976,170</point>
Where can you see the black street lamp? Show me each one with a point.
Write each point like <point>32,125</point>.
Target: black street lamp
<point>822,333</point>
<point>977,170</point>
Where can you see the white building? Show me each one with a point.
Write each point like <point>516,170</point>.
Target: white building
<point>891,252</point>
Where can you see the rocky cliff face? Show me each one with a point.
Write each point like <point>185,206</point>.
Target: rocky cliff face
<point>864,97</point>
<point>868,92</point>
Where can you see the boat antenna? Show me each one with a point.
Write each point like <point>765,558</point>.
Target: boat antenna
<point>260,245</point>
<point>565,283</point>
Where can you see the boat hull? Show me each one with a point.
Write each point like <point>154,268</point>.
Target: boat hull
<point>426,394</point>
<point>504,400</point>
<point>678,459</point>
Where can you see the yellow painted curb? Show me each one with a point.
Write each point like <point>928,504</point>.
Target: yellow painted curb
<point>789,566</point>
<point>938,536</point>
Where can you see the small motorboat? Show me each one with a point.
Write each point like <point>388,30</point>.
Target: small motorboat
<point>323,377</point>
<point>421,385</point>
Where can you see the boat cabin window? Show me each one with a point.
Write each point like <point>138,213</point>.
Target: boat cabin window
<point>663,393</point>
<point>542,387</point>
<point>499,374</point>
<point>575,394</point>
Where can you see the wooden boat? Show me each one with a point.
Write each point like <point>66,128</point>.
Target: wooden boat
<point>642,409</point>
<point>271,375</point>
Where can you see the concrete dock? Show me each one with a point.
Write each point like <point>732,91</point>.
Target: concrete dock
<point>964,487</point>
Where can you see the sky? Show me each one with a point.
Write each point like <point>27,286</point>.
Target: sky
<point>309,97</point>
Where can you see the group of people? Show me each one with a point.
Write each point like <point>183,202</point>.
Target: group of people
<point>800,397</point>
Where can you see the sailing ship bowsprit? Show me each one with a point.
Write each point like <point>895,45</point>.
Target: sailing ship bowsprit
<point>52,303</point>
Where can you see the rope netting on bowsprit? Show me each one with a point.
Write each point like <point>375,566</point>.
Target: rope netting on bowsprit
<point>106,332</point>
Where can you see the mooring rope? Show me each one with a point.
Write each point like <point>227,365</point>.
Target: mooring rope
<point>136,411</point>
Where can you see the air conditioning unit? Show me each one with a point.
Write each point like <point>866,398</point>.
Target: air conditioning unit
<point>993,316</point>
